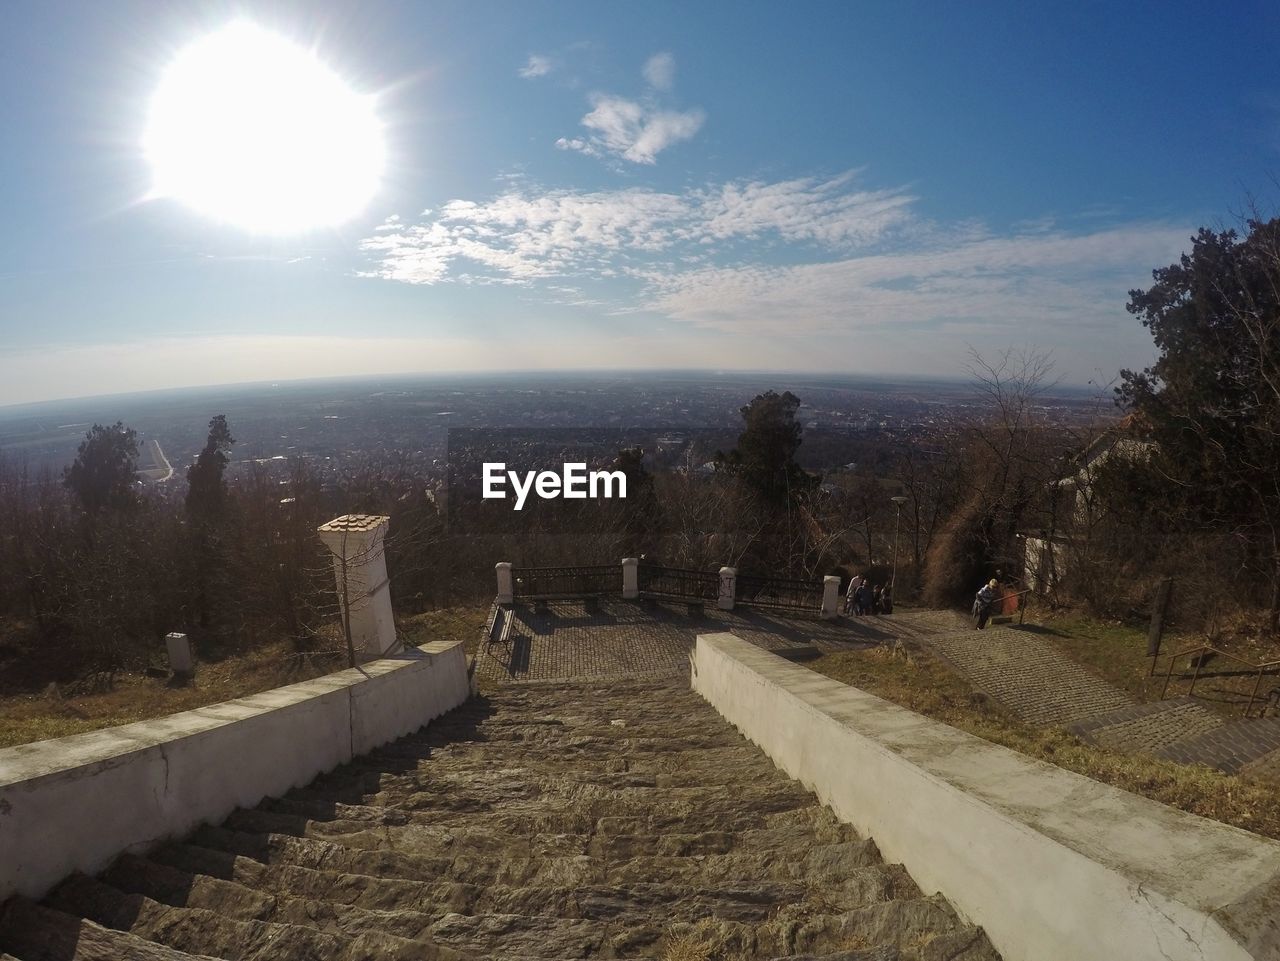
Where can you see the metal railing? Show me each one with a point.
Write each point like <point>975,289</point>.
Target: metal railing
<point>1255,670</point>
<point>679,582</point>
<point>782,592</point>
<point>567,581</point>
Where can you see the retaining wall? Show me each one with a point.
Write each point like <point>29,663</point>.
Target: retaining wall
<point>75,803</point>
<point>1053,865</point>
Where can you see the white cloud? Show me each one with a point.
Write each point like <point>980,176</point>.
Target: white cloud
<point>636,130</point>
<point>660,71</point>
<point>632,130</point>
<point>536,66</point>
<point>520,237</point>
<point>809,261</point>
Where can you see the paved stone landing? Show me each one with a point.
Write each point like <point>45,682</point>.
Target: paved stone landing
<point>628,639</point>
<point>619,819</point>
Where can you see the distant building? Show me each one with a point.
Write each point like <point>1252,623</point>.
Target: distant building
<point>1046,558</point>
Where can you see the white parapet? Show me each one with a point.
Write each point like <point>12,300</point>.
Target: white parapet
<point>830,596</point>
<point>728,588</point>
<point>364,592</point>
<point>77,802</point>
<point>1053,865</point>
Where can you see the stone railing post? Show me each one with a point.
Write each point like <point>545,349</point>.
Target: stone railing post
<point>630,578</point>
<point>506,584</point>
<point>364,592</point>
<point>830,596</point>
<point>181,659</point>
<point>728,588</point>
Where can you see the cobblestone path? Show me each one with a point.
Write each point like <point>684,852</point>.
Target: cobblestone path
<point>606,819</point>
<point>1044,687</point>
<point>630,639</point>
<point>1028,675</point>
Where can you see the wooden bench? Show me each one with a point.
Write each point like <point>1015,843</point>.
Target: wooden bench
<point>500,626</point>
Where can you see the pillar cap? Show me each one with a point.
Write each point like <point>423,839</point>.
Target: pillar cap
<point>354,524</point>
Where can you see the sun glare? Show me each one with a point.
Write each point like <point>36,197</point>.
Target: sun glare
<point>251,130</point>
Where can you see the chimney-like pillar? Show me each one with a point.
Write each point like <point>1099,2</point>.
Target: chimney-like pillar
<point>506,585</point>
<point>360,572</point>
<point>830,596</point>
<point>728,588</point>
<point>630,578</point>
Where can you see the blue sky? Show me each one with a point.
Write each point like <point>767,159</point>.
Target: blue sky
<point>868,187</point>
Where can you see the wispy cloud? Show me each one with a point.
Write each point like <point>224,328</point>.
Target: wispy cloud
<point>536,66</point>
<point>636,130</point>
<point>660,71</point>
<point>808,260</point>
<point>520,236</point>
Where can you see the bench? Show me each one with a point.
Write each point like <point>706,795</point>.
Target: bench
<point>697,606</point>
<point>590,603</point>
<point>500,626</point>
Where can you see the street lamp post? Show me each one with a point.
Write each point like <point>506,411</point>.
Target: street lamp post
<point>898,502</point>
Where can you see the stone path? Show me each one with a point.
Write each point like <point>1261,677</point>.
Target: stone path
<point>1028,675</point>
<point>1045,688</point>
<point>606,819</point>
<point>625,638</point>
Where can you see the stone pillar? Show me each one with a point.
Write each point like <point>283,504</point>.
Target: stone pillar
<point>181,659</point>
<point>360,572</point>
<point>506,583</point>
<point>728,588</point>
<point>830,596</point>
<point>630,578</point>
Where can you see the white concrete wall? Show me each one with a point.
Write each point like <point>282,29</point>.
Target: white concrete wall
<point>76,802</point>
<point>1053,865</point>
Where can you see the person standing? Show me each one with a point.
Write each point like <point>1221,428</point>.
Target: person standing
<point>886,599</point>
<point>851,595</point>
<point>862,600</point>
<point>983,602</point>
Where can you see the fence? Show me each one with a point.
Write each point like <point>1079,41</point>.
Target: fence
<point>567,581</point>
<point>1241,685</point>
<point>780,592</point>
<point>679,582</point>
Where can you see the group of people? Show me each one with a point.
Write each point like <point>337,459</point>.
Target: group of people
<point>862,598</point>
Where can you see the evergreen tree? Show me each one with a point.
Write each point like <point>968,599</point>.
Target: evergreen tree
<point>105,469</point>
<point>766,451</point>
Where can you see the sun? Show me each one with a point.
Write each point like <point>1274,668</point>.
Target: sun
<point>249,129</point>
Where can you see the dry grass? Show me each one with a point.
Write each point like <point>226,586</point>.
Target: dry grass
<point>137,697</point>
<point>918,682</point>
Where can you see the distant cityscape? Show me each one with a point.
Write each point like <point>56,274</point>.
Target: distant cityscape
<point>345,425</point>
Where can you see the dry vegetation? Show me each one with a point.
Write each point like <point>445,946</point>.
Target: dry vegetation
<point>59,709</point>
<point>921,684</point>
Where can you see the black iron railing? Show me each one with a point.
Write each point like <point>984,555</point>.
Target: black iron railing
<point>781,592</point>
<point>567,581</point>
<point>679,582</point>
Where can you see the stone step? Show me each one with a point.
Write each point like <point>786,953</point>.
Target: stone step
<point>1230,747</point>
<point>544,822</point>
<point>40,933</point>
<point>1146,728</point>
<point>190,929</point>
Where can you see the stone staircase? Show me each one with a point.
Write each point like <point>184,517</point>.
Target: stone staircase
<point>608,819</point>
